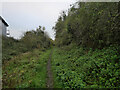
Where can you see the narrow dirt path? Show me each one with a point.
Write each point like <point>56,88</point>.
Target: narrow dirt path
<point>49,73</point>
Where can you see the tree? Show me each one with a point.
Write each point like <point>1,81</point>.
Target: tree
<point>93,25</point>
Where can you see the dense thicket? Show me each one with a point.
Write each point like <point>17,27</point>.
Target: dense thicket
<point>88,57</point>
<point>89,41</point>
<point>31,40</point>
<point>76,68</point>
<point>36,39</point>
<point>89,24</point>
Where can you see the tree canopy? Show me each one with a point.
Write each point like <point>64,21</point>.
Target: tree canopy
<point>89,24</point>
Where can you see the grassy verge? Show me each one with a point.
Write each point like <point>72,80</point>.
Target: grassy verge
<point>81,68</point>
<point>26,70</point>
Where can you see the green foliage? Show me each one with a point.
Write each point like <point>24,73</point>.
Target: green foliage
<point>31,40</point>
<point>89,64</point>
<point>24,60</point>
<point>87,52</point>
<point>27,70</point>
<point>36,39</point>
<point>11,47</point>
<point>79,67</point>
<point>93,25</point>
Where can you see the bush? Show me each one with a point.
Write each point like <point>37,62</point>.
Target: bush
<point>77,68</point>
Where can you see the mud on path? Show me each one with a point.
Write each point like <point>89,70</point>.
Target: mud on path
<point>49,73</point>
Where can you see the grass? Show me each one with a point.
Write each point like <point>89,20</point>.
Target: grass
<point>27,70</point>
<point>82,68</point>
<point>72,66</point>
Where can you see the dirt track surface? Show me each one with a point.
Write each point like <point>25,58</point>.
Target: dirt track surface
<point>49,73</point>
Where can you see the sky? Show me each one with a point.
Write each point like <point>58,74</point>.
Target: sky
<point>27,15</point>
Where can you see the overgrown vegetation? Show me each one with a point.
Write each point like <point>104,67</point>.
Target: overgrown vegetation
<point>93,25</point>
<point>11,47</point>
<point>31,40</point>
<point>88,46</point>
<point>86,52</point>
<point>27,70</point>
<point>24,60</point>
<point>80,68</point>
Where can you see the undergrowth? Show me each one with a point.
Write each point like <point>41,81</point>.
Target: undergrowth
<point>27,70</point>
<point>81,68</point>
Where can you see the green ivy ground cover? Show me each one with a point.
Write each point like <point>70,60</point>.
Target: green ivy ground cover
<point>78,68</point>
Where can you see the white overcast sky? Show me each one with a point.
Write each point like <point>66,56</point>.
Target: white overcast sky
<point>28,15</point>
